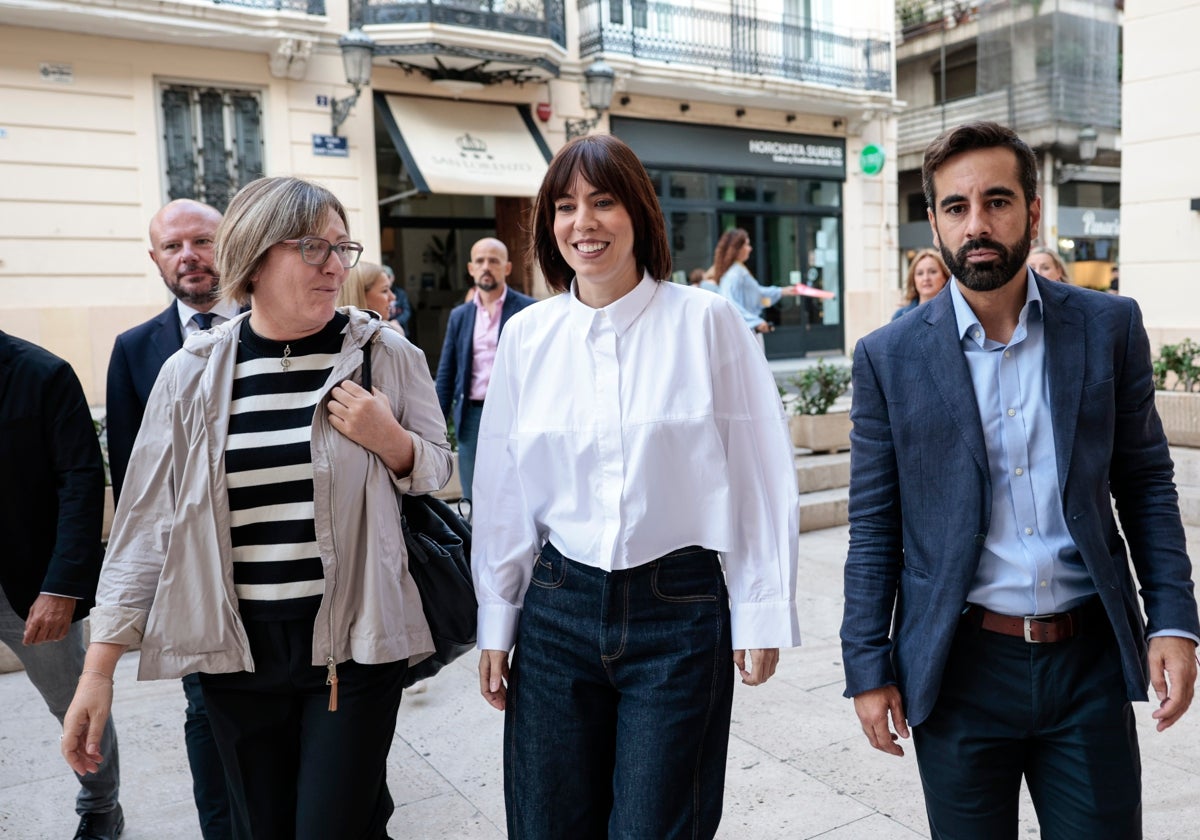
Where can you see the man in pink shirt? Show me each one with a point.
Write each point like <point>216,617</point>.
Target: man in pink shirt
<point>472,335</point>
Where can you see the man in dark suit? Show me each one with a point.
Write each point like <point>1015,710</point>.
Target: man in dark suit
<point>181,246</point>
<point>989,600</point>
<point>51,507</point>
<point>470,348</point>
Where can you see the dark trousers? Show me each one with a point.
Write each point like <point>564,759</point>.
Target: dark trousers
<point>209,788</point>
<point>467,437</point>
<point>1056,714</point>
<point>619,699</point>
<point>298,771</point>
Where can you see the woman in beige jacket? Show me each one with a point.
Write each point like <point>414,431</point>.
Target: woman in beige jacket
<point>258,538</point>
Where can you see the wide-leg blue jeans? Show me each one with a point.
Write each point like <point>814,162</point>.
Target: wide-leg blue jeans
<point>619,700</point>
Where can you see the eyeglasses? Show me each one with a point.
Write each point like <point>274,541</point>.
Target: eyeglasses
<point>315,251</point>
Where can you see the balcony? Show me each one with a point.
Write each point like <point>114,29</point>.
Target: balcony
<point>1039,111</point>
<point>783,49</point>
<point>250,25</point>
<point>470,41</point>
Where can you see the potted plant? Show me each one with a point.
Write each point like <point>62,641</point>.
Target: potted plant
<point>812,426</point>
<point>1177,394</point>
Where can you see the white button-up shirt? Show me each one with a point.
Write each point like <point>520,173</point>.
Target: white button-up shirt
<point>624,433</point>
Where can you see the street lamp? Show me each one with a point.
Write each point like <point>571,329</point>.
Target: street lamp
<point>1088,141</point>
<point>1088,147</point>
<point>598,81</point>
<point>357,51</point>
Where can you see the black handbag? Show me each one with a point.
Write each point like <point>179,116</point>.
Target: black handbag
<point>439,559</point>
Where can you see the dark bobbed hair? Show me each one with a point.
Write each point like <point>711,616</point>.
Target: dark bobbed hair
<point>978,135</point>
<point>610,166</point>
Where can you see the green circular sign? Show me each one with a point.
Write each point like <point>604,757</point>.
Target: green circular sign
<point>871,159</point>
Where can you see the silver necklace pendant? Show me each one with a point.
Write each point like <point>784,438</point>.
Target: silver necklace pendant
<point>284,362</point>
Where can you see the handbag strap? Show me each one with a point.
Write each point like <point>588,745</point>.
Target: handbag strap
<point>366,361</point>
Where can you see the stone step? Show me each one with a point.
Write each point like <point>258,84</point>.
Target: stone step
<point>824,509</point>
<point>822,472</point>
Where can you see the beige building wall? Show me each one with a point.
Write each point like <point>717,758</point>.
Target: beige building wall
<point>81,174</point>
<point>1160,125</point>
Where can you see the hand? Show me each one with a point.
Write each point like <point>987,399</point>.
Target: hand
<point>1173,677</point>
<point>368,421</point>
<point>873,708</point>
<point>762,664</point>
<point>84,723</point>
<point>764,327</point>
<point>49,619</point>
<point>493,677</point>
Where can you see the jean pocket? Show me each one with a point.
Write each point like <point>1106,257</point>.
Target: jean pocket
<point>696,578</point>
<point>549,570</point>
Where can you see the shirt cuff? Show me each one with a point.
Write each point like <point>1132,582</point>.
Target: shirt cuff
<point>765,624</point>
<point>60,595</point>
<point>497,627</point>
<point>1177,633</point>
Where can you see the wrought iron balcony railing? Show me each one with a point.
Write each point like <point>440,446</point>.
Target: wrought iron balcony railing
<point>788,48</point>
<point>1022,107</point>
<point>532,18</point>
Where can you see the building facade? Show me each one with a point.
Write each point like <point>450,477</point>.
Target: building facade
<point>1050,69</point>
<point>1160,188</point>
<point>755,114</point>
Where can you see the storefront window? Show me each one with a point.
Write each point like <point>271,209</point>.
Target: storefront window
<point>732,188</point>
<point>689,186</point>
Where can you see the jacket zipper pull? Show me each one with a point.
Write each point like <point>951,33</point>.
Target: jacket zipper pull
<point>332,682</point>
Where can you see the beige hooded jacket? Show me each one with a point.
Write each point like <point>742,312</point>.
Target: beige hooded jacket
<point>167,580</point>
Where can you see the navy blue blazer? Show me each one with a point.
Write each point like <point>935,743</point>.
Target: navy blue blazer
<point>137,357</point>
<point>52,487</point>
<point>920,496</point>
<point>454,367</point>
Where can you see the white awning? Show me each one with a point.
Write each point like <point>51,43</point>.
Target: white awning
<point>466,148</point>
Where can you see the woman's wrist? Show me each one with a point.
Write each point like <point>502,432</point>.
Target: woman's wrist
<point>96,673</point>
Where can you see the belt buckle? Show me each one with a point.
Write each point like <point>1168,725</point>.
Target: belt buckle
<point>1029,618</point>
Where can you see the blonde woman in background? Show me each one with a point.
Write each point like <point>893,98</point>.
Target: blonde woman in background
<point>927,275</point>
<point>368,286</point>
<point>1049,264</point>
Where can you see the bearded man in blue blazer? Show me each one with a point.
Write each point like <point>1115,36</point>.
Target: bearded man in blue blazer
<point>472,334</point>
<point>989,599</point>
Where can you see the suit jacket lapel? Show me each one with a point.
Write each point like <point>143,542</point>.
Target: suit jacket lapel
<point>1066,347</point>
<point>940,348</point>
<point>169,336</point>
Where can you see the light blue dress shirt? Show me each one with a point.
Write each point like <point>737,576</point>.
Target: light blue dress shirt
<point>1030,565</point>
<point>739,286</point>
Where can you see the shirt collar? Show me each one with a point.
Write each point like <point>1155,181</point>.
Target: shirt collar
<point>498,304</point>
<point>223,308</point>
<point>621,313</point>
<point>968,324</point>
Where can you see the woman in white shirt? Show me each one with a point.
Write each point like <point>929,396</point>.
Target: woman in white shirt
<point>632,442</point>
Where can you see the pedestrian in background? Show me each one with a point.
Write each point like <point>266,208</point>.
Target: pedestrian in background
<point>401,311</point>
<point>927,275</point>
<point>259,541</point>
<point>630,491</point>
<point>469,350</point>
<point>738,285</point>
<point>1049,264</point>
<point>368,287</point>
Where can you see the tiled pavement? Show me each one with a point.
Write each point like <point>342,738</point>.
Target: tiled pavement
<point>799,766</point>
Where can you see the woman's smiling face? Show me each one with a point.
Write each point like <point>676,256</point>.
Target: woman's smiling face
<point>595,237</point>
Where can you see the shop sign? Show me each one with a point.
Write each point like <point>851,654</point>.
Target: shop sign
<point>871,159</point>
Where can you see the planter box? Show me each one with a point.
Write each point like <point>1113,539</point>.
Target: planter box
<point>820,432</point>
<point>1180,413</point>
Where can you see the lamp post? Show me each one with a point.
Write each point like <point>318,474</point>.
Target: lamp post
<point>1088,143</point>
<point>357,51</point>
<point>598,82</point>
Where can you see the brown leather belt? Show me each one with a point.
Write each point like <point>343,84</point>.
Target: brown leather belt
<point>1040,629</point>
